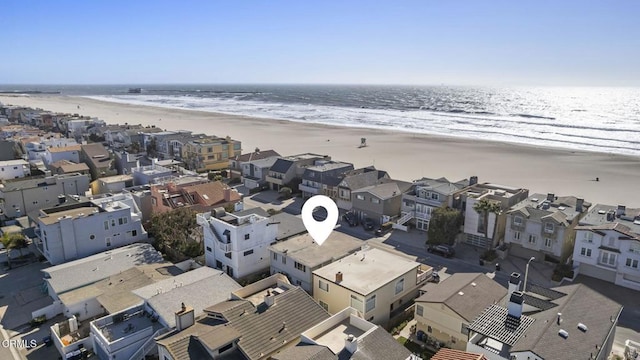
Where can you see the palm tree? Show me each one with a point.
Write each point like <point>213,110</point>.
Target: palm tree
<point>485,207</point>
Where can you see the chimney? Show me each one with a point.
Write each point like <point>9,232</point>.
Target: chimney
<point>545,205</point>
<point>185,317</point>
<point>611,215</point>
<point>551,197</point>
<point>516,301</point>
<point>579,204</point>
<point>270,299</point>
<point>514,282</point>
<point>339,277</point>
<point>473,180</point>
<point>620,210</point>
<point>351,343</point>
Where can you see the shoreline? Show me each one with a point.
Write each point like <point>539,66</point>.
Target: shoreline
<point>405,155</point>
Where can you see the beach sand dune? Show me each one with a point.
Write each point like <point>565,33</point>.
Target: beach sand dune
<point>405,156</point>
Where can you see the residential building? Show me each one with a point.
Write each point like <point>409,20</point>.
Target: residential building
<point>445,310</point>
<point>254,172</point>
<point>194,192</point>
<point>356,180</point>
<point>424,197</point>
<point>474,222</point>
<point>130,334</point>
<point>79,126</point>
<point>150,174</point>
<point>236,163</point>
<point>169,143</point>
<point>98,159</point>
<point>287,171</point>
<point>125,162</point>
<point>376,283</point>
<point>259,321</point>
<point>345,335</point>
<point>381,202</point>
<point>237,243</point>
<point>67,167</point>
<point>572,320</point>
<point>69,232</point>
<point>607,245</point>
<point>323,178</point>
<point>9,149</point>
<point>14,169</point>
<point>299,256</point>
<point>111,184</point>
<point>210,152</point>
<point>451,354</point>
<point>54,154</point>
<point>22,196</point>
<point>543,226</point>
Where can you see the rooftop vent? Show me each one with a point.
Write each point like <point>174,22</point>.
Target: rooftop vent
<point>563,333</point>
<point>601,212</point>
<point>460,293</point>
<point>534,199</point>
<point>583,327</point>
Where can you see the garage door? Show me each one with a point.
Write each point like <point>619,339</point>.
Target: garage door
<point>598,273</point>
<point>522,252</point>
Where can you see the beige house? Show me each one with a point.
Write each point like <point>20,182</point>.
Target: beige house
<point>374,282</point>
<point>210,153</point>
<point>445,310</point>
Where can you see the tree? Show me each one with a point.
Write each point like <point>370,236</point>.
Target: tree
<point>152,147</point>
<point>13,241</point>
<point>444,226</point>
<point>285,192</point>
<point>134,148</point>
<point>485,207</point>
<point>173,228</point>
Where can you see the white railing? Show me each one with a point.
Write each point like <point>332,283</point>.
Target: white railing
<point>148,345</point>
<point>406,217</point>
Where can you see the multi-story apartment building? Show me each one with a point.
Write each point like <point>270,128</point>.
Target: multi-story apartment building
<point>542,226</point>
<point>237,243</point>
<point>22,196</point>
<point>73,231</point>
<point>425,196</point>
<point>210,153</point>
<point>355,180</point>
<point>376,283</point>
<point>299,256</point>
<point>323,178</point>
<point>607,245</point>
<point>287,171</point>
<point>14,169</point>
<point>476,232</point>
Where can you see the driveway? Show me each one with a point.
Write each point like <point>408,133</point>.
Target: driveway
<point>21,293</point>
<point>270,199</point>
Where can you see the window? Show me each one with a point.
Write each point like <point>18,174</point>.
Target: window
<point>356,303</point>
<point>375,200</point>
<point>517,220</point>
<point>360,197</point>
<point>134,232</point>
<point>532,239</point>
<point>633,263</point>
<point>246,236</point>
<point>399,286</point>
<point>609,258</point>
<point>419,310</point>
<point>371,303</point>
<point>464,330</point>
<point>585,252</point>
<point>122,221</point>
<point>113,222</point>
<point>298,282</point>
<point>225,348</point>
<point>429,329</point>
<point>300,266</point>
<point>248,252</point>
<point>548,227</point>
<point>108,241</point>
<point>209,249</point>
<point>588,236</point>
<point>92,237</point>
<point>323,285</point>
<point>228,255</point>
<point>275,256</point>
<point>284,259</point>
<point>548,242</point>
<point>516,235</point>
<point>324,305</point>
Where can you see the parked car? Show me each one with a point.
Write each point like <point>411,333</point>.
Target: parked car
<point>351,219</point>
<point>384,228</point>
<point>442,250</point>
<point>435,277</point>
<point>368,224</point>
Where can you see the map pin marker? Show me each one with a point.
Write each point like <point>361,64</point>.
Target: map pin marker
<point>319,230</point>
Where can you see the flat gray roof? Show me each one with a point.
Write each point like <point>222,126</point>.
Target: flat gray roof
<point>367,270</point>
<point>304,250</point>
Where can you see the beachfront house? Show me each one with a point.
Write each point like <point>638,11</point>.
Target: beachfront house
<point>169,143</point>
<point>323,178</point>
<point>381,202</point>
<point>346,335</point>
<point>356,180</point>
<point>237,243</point>
<point>210,152</point>
<point>14,169</point>
<point>378,284</point>
<point>98,159</point>
<point>444,310</point>
<point>236,168</point>
<point>287,171</point>
<point>299,256</point>
<point>486,230</point>
<point>543,226</point>
<point>72,231</point>
<point>424,197</point>
<point>254,172</point>
<point>258,321</point>
<point>19,197</point>
<point>607,245</point>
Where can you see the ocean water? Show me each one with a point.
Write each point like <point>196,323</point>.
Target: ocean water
<point>581,118</point>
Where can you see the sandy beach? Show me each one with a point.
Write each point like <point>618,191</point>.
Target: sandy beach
<point>405,156</point>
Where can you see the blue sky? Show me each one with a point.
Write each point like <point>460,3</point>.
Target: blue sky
<point>352,42</point>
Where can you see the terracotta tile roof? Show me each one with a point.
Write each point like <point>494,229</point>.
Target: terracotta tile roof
<point>212,193</point>
<point>451,354</point>
<point>64,148</point>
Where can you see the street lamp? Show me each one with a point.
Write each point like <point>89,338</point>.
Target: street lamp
<point>526,274</point>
